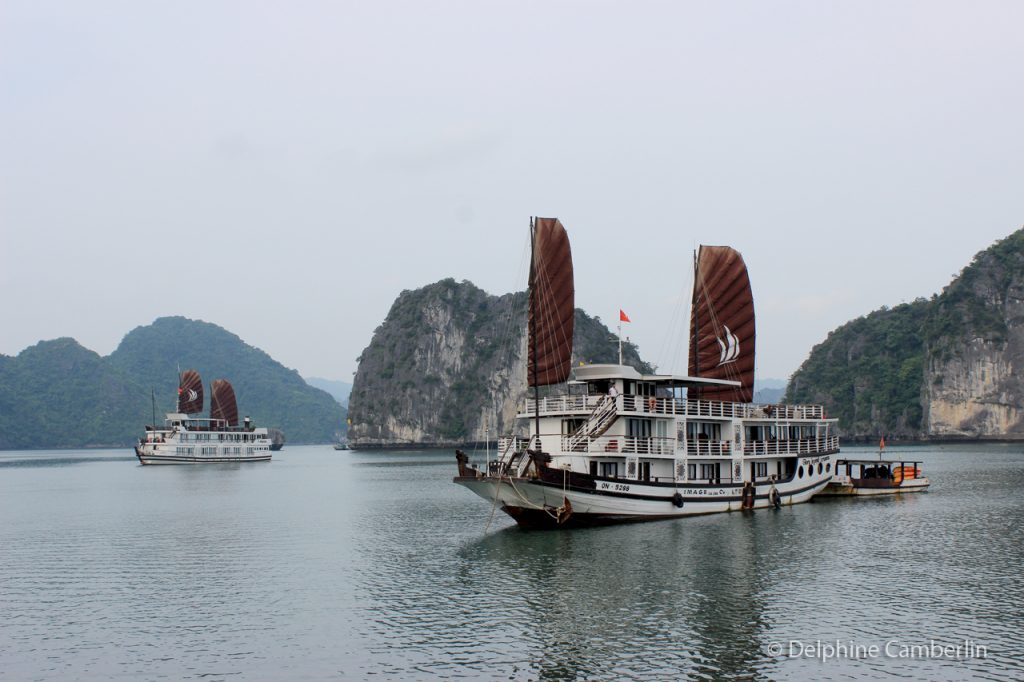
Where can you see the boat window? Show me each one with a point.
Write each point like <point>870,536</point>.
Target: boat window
<point>819,467</point>
<point>710,471</point>
<point>691,471</point>
<point>761,469</point>
<point>800,471</point>
<point>645,471</point>
<point>610,469</point>
<point>828,467</point>
<point>639,428</point>
<point>571,426</point>
<point>593,468</point>
<point>703,431</point>
<point>645,389</point>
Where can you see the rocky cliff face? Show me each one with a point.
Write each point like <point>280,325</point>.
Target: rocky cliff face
<point>948,367</point>
<point>448,366</point>
<point>975,350</point>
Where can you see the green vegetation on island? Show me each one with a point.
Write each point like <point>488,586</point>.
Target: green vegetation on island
<point>904,371</point>
<point>59,394</point>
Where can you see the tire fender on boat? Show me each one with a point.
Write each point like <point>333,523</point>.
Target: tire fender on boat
<point>677,500</point>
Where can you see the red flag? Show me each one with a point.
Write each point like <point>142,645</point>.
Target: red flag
<point>623,317</point>
<point>881,443</point>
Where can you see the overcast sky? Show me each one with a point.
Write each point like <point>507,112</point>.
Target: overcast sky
<point>285,169</point>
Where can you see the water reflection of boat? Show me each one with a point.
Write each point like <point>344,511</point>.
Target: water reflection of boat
<point>616,445</point>
<point>876,477</point>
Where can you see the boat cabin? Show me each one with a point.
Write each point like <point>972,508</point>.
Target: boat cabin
<point>611,421</point>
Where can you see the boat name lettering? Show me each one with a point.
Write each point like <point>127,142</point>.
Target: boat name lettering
<point>618,487</point>
<point>707,491</point>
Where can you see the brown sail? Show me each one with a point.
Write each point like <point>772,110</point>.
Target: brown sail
<point>190,392</point>
<point>552,304</point>
<point>722,324</point>
<point>222,402</point>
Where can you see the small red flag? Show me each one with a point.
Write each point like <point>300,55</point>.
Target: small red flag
<point>881,443</point>
<point>623,317</point>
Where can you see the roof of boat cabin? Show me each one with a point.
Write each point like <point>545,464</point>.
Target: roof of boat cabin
<point>603,372</point>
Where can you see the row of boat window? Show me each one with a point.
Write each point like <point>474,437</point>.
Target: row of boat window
<point>810,469</point>
<point>695,430</point>
<point>212,450</point>
<point>777,432</point>
<point>709,471</point>
<point>229,437</point>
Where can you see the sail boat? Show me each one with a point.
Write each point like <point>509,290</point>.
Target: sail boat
<point>658,446</point>
<point>188,439</point>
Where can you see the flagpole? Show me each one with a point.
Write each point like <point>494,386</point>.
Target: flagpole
<point>620,340</point>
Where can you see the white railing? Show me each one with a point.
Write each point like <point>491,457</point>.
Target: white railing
<point>564,403</point>
<point>709,448</point>
<point>618,445</point>
<point>791,447</point>
<point>638,404</point>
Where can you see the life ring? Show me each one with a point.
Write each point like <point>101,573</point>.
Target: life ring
<point>677,500</point>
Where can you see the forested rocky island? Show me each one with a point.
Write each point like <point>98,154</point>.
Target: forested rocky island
<point>449,363</point>
<point>946,367</point>
<point>59,394</point>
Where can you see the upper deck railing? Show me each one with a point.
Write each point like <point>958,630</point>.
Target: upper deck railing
<point>637,404</point>
<point>611,446</point>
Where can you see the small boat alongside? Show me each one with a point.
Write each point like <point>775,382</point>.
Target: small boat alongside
<point>875,477</point>
<point>608,444</point>
<point>188,439</point>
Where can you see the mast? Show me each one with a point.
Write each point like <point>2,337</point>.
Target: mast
<point>152,395</point>
<point>696,317</point>
<point>533,329</point>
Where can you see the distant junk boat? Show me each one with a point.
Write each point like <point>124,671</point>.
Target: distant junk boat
<point>614,445</point>
<point>187,439</point>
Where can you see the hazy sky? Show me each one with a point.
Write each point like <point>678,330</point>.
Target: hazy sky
<point>286,169</point>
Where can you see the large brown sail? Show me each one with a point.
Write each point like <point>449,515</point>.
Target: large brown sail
<point>190,392</point>
<point>222,402</point>
<point>552,304</point>
<point>722,324</point>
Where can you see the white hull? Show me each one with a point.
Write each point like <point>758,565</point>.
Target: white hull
<point>184,459</point>
<point>917,485</point>
<point>534,503</point>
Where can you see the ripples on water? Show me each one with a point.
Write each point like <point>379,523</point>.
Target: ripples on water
<point>328,564</point>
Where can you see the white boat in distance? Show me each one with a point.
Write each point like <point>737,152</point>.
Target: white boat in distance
<point>608,444</point>
<point>186,439</point>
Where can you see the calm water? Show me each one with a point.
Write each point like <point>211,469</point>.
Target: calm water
<point>325,564</point>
